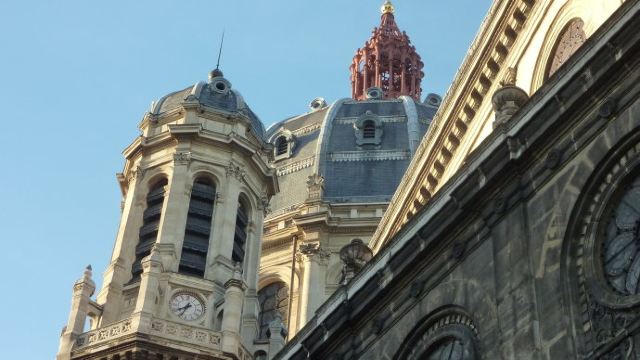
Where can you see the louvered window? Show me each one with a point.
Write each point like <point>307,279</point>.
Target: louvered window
<point>150,224</point>
<point>369,130</point>
<point>282,146</point>
<point>196,235</point>
<point>240,237</point>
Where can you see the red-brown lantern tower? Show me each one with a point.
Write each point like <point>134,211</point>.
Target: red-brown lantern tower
<point>388,61</point>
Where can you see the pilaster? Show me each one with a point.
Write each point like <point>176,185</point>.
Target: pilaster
<point>314,261</point>
<point>233,303</point>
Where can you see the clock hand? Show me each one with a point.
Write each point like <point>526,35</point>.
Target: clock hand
<point>184,308</point>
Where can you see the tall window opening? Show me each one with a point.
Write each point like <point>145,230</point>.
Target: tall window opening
<point>282,146</point>
<point>273,298</point>
<point>150,225</point>
<point>240,236</point>
<point>198,229</point>
<point>369,130</point>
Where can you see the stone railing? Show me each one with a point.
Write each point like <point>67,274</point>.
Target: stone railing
<point>175,331</point>
<point>103,334</point>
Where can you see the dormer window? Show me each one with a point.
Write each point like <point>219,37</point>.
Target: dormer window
<point>283,145</point>
<point>368,130</point>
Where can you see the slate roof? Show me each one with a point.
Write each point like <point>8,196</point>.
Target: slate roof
<point>230,101</point>
<point>361,178</point>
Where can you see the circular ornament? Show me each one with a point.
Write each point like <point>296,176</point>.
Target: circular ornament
<point>187,306</point>
<point>610,236</point>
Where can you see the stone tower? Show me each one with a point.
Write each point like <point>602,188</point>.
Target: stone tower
<point>183,274</point>
<point>387,61</point>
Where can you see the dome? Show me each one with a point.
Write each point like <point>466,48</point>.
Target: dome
<point>215,94</point>
<point>360,148</point>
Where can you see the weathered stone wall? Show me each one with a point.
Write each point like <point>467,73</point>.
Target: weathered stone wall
<point>500,264</point>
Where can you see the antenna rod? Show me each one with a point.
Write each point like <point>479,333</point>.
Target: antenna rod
<point>220,51</point>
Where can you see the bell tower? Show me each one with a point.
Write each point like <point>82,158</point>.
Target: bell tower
<point>183,274</point>
<point>387,61</point>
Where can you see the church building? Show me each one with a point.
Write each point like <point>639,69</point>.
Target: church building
<point>499,221</point>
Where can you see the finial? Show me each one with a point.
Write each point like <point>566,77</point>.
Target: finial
<point>387,8</point>
<point>87,272</point>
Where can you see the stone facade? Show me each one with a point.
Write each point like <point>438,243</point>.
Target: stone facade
<point>528,250</point>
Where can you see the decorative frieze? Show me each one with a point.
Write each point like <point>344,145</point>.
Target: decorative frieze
<point>382,119</point>
<point>104,334</point>
<point>188,333</point>
<point>296,166</point>
<point>306,129</point>
<point>369,155</point>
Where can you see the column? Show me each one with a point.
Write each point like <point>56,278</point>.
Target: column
<point>403,74</point>
<point>314,260</point>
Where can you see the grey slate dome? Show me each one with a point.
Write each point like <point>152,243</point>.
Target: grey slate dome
<point>216,94</point>
<point>360,148</point>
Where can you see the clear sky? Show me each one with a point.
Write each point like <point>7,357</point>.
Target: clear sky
<point>77,76</point>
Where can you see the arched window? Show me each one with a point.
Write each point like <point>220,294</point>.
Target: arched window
<point>570,39</point>
<point>448,349</point>
<point>198,229</point>
<point>150,225</point>
<point>273,298</point>
<point>240,236</point>
<point>282,146</point>
<point>369,130</point>
<point>448,334</point>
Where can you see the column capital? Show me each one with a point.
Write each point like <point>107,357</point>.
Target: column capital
<point>313,252</point>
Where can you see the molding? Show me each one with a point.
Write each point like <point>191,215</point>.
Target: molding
<point>306,129</point>
<point>369,155</point>
<point>383,119</point>
<point>295,166</point>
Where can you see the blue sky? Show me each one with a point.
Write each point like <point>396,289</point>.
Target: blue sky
<point>77,76</point>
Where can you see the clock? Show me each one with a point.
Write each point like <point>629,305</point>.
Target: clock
<point>186,306</point>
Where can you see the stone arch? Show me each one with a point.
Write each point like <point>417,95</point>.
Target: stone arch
<point>447,329</point>
<point>570,11</point>
<point>466,296</point>
<point>207,172</point>
<point>597,313</point>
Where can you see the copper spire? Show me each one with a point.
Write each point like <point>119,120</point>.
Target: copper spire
<point>388,61</point>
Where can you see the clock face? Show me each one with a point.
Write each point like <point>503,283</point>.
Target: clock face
<point>186,306</point>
